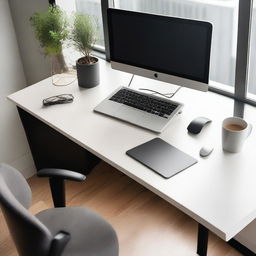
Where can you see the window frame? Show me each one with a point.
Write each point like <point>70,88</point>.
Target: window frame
<point>242,55</point>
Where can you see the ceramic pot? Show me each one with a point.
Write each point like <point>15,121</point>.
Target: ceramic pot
<point>88,75</point>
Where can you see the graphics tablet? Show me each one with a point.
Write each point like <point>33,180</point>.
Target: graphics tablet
<point>161,157</point>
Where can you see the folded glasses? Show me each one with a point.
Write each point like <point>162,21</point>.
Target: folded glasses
<point>58,99</point>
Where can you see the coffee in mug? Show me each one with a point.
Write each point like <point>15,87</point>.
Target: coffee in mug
<point>235,131</point>
<point>234,127</point>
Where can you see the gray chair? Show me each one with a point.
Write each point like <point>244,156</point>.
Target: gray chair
<point>65,231</point>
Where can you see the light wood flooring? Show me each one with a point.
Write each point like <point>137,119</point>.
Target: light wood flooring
<point>146,225</point>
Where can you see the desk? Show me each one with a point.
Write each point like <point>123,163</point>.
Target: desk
<point>218,192</point>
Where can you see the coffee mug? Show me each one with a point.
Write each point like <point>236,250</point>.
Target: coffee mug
<point>235,131</point>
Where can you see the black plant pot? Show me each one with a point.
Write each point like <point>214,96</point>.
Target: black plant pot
<point>88,75</point>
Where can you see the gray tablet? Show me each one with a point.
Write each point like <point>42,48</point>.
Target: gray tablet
<point>161,157</point>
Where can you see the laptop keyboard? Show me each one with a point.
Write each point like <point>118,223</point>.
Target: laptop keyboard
<point>144,102</point>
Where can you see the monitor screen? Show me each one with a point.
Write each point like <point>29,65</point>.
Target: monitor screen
<point>173,46</point>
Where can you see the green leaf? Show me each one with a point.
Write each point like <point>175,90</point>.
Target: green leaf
<point>51,29</point>
<point>84,33</point>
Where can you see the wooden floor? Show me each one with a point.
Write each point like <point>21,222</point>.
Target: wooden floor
<point>146,225</point>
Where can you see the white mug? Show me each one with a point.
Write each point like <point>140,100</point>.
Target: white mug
<point>235,131</point>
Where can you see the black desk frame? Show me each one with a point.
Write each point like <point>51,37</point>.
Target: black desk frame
<point>50,149</point>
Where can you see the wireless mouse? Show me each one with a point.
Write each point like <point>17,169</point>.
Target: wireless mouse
<point>205,151</point>
<point>197,124</point>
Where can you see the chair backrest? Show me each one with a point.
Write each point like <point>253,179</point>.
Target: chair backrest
<point>30,236</point>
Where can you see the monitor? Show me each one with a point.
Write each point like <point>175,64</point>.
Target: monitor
<point>168,49</point>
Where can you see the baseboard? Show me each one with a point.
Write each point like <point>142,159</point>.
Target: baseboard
<point>241,248</point>
<point>25,165</point>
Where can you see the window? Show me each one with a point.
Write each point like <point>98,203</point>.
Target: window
<point>223,14</point>
<point>251,93</point>
<point>91,7</point>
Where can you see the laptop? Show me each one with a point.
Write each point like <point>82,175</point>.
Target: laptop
<point>140,117</point>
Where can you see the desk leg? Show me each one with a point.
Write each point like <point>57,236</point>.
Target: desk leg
<point>202,240</point>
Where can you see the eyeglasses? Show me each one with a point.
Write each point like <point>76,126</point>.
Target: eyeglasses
<point>58,99</point>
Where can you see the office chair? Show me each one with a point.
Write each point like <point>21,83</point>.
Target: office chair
<point>63,231</point>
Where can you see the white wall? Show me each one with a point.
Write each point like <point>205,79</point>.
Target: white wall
<point>13,144</point>
<point>36,65</point>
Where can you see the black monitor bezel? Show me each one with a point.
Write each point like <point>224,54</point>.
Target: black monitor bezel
<point>205,79</point>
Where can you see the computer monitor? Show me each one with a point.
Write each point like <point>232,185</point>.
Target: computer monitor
<point>168,49</point>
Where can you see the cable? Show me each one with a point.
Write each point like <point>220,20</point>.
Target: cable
<point>130,81</point>
<point>166,95</point>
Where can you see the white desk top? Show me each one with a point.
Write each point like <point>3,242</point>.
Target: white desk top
<point>219,191</point>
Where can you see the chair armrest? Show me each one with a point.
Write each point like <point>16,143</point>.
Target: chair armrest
<point>61,173</point>
<point>59,242</point>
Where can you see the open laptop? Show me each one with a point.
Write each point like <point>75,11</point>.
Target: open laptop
<point>130,113</point>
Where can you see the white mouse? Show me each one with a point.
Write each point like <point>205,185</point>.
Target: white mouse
<point>205,151</point>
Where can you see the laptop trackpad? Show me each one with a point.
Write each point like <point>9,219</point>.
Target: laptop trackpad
<point>129,114</point>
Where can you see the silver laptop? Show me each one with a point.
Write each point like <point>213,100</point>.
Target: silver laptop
<point>143,115</point>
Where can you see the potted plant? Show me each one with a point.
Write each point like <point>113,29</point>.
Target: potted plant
<point>83,36</point>
<point>51,30</point>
